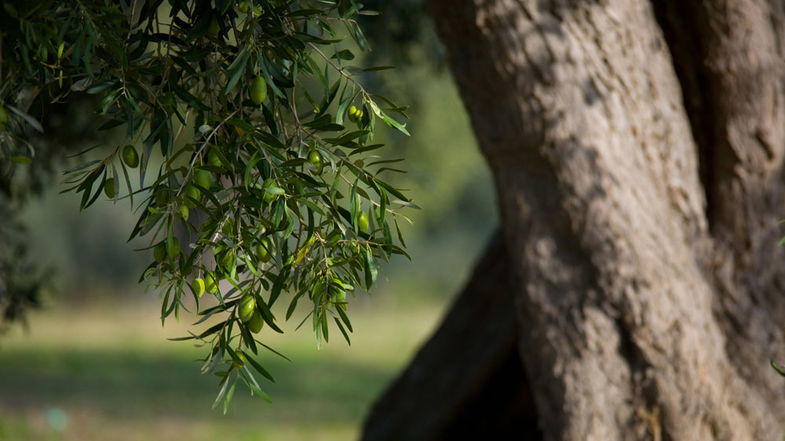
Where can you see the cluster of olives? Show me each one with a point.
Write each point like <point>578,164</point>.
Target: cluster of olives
<point>355,114</point>
<point>226,264</point>
<point>249,314</point>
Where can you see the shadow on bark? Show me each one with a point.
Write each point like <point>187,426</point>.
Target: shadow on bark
<point>468,379</point>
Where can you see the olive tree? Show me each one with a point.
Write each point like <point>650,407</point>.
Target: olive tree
<point>243,139</point>
<point>636,291</point>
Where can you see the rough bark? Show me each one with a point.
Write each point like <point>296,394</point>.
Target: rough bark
<point>738,55</point>
<point>637,151</point>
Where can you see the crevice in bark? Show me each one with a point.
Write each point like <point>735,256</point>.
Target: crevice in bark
<point>468,374</point>
<point>677,21</point>
<point>503,408</point>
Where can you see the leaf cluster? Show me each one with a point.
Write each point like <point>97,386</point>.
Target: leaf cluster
<point>251,179</point>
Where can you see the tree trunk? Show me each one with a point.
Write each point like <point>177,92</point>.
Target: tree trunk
<point>467,379</point>
<point>637,150</point>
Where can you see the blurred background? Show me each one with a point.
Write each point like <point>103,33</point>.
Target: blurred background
<point>95,362</point>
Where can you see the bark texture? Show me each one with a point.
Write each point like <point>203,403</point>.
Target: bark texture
<point>637,150</point>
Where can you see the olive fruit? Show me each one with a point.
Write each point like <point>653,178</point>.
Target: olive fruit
<point>355,114</point>
<point>226,261</point>
<point>210,284</point>
<point>110,189</point>
<point>239,361</point>
<point>246,308</point>
<point>130,157</point>
<point>203,178</point>
<point>362,222</point>
<point>269,197</point>
<point>265,250</point>
<point>256,323</point>
<point>338,296</point>
<point>159,252</point>
<point>352,112</point>
<point>258,90</point>
<point>197,287</point>
<point>184,212</point>
<point>213,159</point>
<point>172,247</point>
<point>191,193</point>
<point>242,6</point>
<point>315,158</point>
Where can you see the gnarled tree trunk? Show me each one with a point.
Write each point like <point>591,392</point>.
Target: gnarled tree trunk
<point>637,150</point>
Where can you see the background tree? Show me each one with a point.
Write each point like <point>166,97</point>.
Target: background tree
<point>637,150</point>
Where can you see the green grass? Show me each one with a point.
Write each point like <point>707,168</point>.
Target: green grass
<point>110,373</point>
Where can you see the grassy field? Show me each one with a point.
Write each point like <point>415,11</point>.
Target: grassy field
<point>109,374</point>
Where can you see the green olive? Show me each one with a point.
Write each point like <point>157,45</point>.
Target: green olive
<point>269,197</point>
<point>204,178</point>
<point>210,283</point>
<point>159,252</point>
<point>338,298</point>
<point>191,193</point>
<point>256,323</point>
<point>197,287</point>
<point>242,7</point>
<point>246,308</point>
<point>184,212</point>
<point>213,159</point>
<point>352,112</point>
<point>362,222</point>
<point>258,90</point>
<point>315,158</point>
<point>130,157</point>
<point>227,261</point>
<point>172,247</point>
<point>110,188</point>
<point>239,362</point>
<point>265,250</point>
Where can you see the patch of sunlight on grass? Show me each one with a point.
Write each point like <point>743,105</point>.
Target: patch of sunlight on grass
<point>108,373</point>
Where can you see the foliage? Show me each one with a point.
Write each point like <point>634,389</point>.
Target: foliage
<point>257,173</point>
